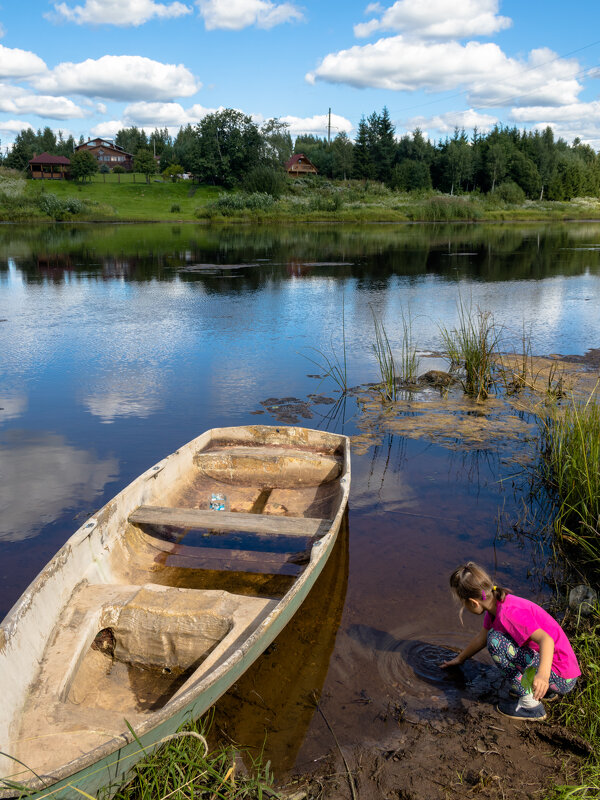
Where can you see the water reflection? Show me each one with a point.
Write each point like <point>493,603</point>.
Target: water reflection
<point>12,406</point>
<point>41,476</point>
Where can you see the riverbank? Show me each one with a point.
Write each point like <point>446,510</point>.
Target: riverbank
<point>134,200</point>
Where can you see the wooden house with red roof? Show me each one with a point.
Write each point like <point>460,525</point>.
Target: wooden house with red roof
<point>107,153</point>
<point>49,167</point>
<point>299,165</point>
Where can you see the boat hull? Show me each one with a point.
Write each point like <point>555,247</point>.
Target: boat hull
<point>107,766</point>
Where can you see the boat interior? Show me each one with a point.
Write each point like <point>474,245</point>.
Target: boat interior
<point>191,575</point>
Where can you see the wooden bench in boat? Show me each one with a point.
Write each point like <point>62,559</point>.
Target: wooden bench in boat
<point>230,521</point>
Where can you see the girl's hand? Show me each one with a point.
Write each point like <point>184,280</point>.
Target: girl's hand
<point>540,686</point>
<point>454,662</point>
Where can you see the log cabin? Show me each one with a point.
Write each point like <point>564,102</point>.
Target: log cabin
<point>299,165</point>
<point>107,153</point>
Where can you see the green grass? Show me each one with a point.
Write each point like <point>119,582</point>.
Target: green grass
<point>580,712</point>
<point>135,201</point>
<point>183,768</point>
<point>571,467</point>
<point>128,197</point>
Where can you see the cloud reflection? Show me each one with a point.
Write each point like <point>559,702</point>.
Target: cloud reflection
<point>12,406</point>
<point>120,396</point>
<point>41,476</point>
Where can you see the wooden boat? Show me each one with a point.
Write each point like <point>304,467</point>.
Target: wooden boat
<point>157,604</point>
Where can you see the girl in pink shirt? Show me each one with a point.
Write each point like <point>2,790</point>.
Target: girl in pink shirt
<point>518,634</point>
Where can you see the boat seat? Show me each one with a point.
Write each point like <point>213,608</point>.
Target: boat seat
<point>268,466</point>
<point>194,518</point>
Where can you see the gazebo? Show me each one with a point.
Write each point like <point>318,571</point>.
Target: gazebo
<point>46,166</point>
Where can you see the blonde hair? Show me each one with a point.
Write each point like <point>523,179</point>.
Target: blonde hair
<point>472,582</point>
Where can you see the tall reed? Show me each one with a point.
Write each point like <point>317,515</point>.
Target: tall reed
<point>571,467</point>
<point>385,358</point>
<point>473,346</point>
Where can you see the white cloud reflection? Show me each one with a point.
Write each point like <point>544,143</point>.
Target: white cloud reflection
<point>41,477</point>
<point>120,396</point>
<point>12,406</point>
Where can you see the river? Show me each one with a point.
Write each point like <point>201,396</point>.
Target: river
<point>121,342</point>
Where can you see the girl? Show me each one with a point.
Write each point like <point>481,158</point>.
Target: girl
<point>518,634</point>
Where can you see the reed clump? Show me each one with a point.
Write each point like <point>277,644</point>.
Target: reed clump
<point>570,438</point>
<point>472,349</point>
<point>395,373</point>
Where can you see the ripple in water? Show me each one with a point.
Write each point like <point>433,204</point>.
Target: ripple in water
<point>402,659</point>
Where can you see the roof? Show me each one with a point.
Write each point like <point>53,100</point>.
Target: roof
<point>296,158</point>
<point>46,158</point>
<point>100,142</point>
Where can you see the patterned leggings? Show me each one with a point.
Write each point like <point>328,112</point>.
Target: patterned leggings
<point>513,660</point>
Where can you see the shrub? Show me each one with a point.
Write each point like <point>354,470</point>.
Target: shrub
<point>229,205</point>
<point>265,179</point>
<point>175,208</point>
<point>511,193</point>
<point>58,209</point>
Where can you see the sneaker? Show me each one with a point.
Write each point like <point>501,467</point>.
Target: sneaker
<point>550,696</point>
<point>511,708</point>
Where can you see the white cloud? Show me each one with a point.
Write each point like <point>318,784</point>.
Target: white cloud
<point>436,19</point>
<point>116,12</point>
<point>161,114</point>
<point>488,75</point>
<point>15,63</point>
<point>446,123</point>
<point>120,78</point>
<point>108,129</point>
<point>569,121</point>
<point>15,100</point>
<point>2,31</point>
<point>317,125</point>
<point>13,125</point>
<point>234,15</point>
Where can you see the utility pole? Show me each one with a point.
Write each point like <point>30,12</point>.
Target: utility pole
<point>329,128</point>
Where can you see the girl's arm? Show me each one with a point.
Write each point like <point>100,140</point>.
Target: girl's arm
<point>542,676</point>
<point>476,644</point>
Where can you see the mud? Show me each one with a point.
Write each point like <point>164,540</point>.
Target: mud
<point>473,753</point>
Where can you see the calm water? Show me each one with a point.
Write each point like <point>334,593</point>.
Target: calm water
<point>119,343</point>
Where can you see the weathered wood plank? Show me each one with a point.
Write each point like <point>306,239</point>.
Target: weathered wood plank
<point>229,521</point>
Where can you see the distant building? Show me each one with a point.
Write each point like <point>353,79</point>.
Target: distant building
<point>299,165</point>
<point>107,153</point>
<point>48,167</point>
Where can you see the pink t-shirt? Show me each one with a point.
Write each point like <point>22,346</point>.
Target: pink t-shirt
<point>519,618</point>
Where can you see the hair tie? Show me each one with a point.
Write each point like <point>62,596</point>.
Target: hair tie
<point>494,588</point>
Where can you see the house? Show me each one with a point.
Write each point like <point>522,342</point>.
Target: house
<point>48,167</point>
<point>108,153</point>
<point>300,165</point>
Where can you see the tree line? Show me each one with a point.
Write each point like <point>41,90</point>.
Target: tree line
<point>228,148</point>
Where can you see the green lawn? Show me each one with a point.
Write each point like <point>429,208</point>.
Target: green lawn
<point>137,201</point>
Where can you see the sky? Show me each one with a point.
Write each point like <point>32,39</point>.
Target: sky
<point>91,67</point>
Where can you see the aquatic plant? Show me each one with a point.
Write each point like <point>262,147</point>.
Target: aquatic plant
<point>570,435</point>
<point>473,346</point>
<point>385,360</point>
<point>395,372</point>
<point>333,366</point>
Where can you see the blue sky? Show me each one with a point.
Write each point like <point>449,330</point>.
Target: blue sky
<point>92,66</point>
